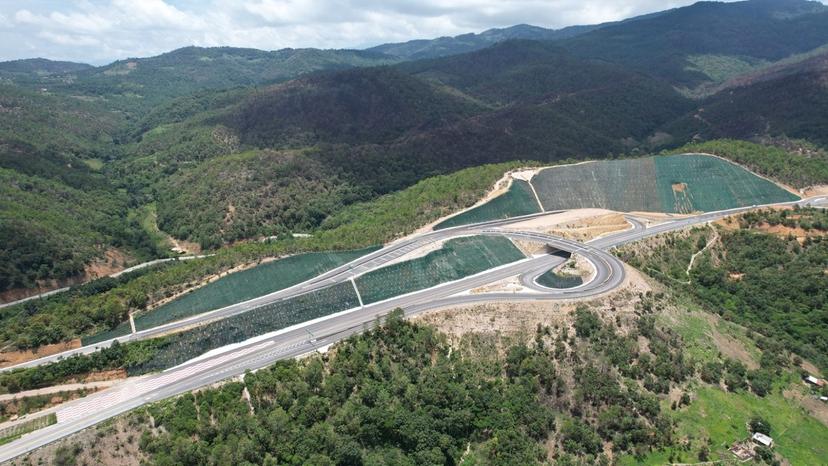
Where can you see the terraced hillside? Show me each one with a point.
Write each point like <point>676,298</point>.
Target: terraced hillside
<point>674,184</point>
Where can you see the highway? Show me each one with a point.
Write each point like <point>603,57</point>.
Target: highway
<point>309,336</point>
<point>337,275</point>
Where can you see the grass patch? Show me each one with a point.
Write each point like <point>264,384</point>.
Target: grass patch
<point>94,164</point>
<point>722,67</point>
<point>147,217</point>
<point>722,417</point>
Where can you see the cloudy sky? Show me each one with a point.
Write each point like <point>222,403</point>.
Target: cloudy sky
<point>100,31</point>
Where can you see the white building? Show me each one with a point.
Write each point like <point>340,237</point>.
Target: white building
<point>762,439</point>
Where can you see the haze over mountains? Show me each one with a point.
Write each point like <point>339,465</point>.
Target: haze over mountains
<point>228,144</point>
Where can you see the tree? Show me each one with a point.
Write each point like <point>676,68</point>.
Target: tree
<point>758,424</point>
<point>586,322</point>
<point>761,382</point>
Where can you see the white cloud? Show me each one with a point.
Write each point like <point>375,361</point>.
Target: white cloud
<point>90,23</point>
<point>103,30</point>
<point>155,14</point>
<point>69,39</point>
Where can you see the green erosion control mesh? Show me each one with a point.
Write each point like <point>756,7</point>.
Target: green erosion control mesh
<point>9,434</point>
<point>518,200</point>
<point>237,287</point>
<point>691,183</point>
<point>191,343</point>
<point>553,280</point>
<point>458,258</point>
<point>674,184</point>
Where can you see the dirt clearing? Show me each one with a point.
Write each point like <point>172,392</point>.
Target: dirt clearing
<point>579,224</point>
<point>11,358</point>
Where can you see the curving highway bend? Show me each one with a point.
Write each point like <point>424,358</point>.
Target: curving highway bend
<point>313,335</point>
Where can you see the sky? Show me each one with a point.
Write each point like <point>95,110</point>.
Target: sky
<point>101,31</point>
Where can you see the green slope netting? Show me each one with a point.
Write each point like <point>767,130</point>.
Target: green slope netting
<point>518,200</point>
<point>189,344</point>
<point>553,280</point>
<point>238,287</point>
<point>675,184</point>
<point>457,258</point>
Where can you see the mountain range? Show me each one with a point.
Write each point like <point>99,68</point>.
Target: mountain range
<point>221,145</point>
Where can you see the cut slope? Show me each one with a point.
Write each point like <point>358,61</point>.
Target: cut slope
<point>459,258</point>
<point>517,201</point>
<point>238,287</point>
<point>675,184</point>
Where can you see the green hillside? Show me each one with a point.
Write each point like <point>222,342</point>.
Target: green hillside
<point>672,44</point>
<point>789,102</point>
<point>204,133</point>
<point>675,184</point>
<point>252,194</point>
<point>57,211</point>
<point>136,85</point>
<point>368,132</point>
<point>444,46</point>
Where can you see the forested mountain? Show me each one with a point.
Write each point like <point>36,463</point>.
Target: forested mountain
<point>443,46</point>
<point>354,106</point>
<point>787,101</point>
<point>708,41</point>
<point>378,130</point>
<point>57,212</point>
<point>139,84</point>
<point>464,43</point>
<point>32,67</point>
<point>196,131</point>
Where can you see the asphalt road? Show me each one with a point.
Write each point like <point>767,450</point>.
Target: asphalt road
<point>304,338</point>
